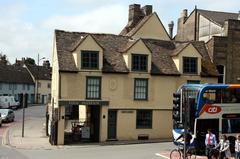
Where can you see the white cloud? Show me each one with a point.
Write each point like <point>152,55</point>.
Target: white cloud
<point>109,19</point>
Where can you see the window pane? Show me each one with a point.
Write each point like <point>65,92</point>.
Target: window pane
<point>144,119</point>
<point>139,62</point>
<point>89,59</point>
<point>141,88</point>
<point>190,65</point>
<point>93,87</point>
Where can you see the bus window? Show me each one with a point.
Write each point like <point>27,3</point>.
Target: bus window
<point>210,96</point>
<point>230,125</point>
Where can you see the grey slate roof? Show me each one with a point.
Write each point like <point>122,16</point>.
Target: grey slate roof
<point>40,72</point>
<point>218,17</point>
<point>14,74</point>
<point>113,46</point>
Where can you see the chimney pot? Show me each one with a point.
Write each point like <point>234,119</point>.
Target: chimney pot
<point>184,13</point>
<point>147,10</point>
<point>170,27</point>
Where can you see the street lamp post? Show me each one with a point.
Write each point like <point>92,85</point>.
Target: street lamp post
<point>38,60</point>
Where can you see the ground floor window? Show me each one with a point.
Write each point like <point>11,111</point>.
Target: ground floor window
<point>72,112</point>
<point>144,119</point>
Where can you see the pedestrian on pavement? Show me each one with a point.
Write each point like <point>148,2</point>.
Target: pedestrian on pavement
<point>237,147</point>
<point>210,142</point>
<point>224,147</point>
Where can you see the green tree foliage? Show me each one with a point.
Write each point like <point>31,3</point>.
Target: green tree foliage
<point>29,61</point>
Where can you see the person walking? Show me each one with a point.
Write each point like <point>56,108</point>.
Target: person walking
<point>224,147</point>
<point>210,142</point>
<point>237,147</point>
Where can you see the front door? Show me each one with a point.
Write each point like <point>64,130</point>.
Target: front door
<point>112,124</point>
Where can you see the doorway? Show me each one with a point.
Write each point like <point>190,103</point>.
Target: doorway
<point>95,122</point>
<point>202,126</point>
<point>112,124</point>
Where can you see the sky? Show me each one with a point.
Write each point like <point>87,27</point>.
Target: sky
<point>27,26</point>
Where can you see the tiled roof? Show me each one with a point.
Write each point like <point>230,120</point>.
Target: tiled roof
<point>14,74</point>
<point>114,46</point>
<point>40,72</point>
<point>218,17</point>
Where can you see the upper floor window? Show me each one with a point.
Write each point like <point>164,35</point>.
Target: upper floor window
<point>141,89</point>
<point>93,88</point>
<point>89,59</point>
<point>49,85</point>
<point>139,62</point>
<point>39,85</point>
<point>23,86</point>
<point>0,86</point>
<point>221,77</point>
<point>28,87</point>
<point>190,65</point>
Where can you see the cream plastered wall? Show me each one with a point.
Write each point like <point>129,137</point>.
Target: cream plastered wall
<point>138,48</point>
<point>119,89</point>
<point>55,77</point>
<point>44,87</point>
<point>88,44</point>
<point>153,28</point>
<point>188,51</point>
<point>185,78</point>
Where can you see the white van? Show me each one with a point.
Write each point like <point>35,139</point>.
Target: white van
<point>8,102</point>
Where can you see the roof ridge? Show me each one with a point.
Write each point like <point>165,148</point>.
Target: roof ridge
<point>91,33</point>
<point>216,11</point>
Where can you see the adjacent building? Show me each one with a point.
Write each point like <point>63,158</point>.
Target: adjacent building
<point>15,80</point>
<point>119,87</point>
<point>220,32</point>
<point>41,76</point>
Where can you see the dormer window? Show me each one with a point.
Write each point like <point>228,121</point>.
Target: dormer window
<point>190,65</point>
<point>139,62</point>
<point>89,60</point>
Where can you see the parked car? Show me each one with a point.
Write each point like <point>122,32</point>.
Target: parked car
<point>8,102</point>
<point>7,115</point>
<point>0,120</point>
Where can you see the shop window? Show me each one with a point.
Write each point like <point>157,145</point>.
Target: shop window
<point>144,119</point>
<point>190,65</point>
<point>140,89</point>
<point>72,112</point>
<point>89,59</point>
<point>93,88</point>
<point>139,62</point>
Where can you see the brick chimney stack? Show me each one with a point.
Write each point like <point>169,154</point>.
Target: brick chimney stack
<point>136,13</point>
<point>46,64</point>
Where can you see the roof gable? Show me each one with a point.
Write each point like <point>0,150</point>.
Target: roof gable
<point>149,27</point>
<point>216,16</point>
<point>186,46</point>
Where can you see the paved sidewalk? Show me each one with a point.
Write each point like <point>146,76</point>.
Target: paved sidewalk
<point>34,135</point>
